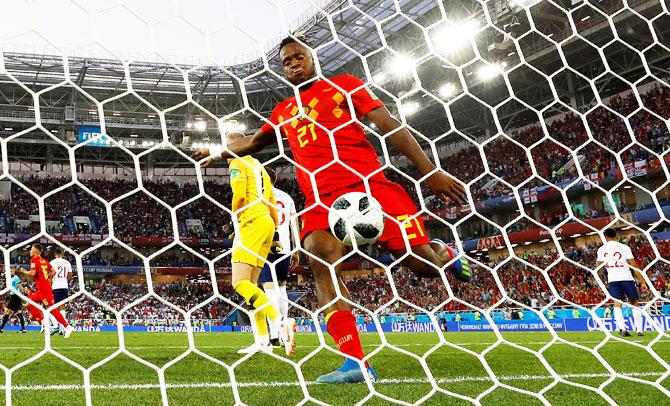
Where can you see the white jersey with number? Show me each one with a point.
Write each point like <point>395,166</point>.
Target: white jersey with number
<point>615,256</point>
<point>286,213</point>
<point>63,268</point>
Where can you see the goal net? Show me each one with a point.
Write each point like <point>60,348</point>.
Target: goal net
<point>553,115</point>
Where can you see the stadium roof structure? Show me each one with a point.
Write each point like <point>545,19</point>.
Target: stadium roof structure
<point>361,38</point>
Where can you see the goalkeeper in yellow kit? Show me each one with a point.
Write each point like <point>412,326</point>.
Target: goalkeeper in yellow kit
<point>255,207</point>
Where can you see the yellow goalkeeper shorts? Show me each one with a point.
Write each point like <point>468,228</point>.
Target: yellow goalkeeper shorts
<point>253,242</point>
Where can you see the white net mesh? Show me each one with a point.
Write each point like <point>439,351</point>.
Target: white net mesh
<point>553,114</point>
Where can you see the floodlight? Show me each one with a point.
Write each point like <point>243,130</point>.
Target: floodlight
<point>402,65</point>
<point>410,108</point>
<point>379,77</point>
<point>200,125</point>
<point>489,71</point>
<point>455,36</point>
<point>447,90</point>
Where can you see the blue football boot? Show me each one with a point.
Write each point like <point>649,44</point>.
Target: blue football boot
<point>350,372</point>
<point>461,267</point>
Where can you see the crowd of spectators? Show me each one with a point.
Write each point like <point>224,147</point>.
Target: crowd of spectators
<point>151,311</point>
<point>140,215</point>
<point>522,284</point>
<point>510,162</point>
<point>137,215</point>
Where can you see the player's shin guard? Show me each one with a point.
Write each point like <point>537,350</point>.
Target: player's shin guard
<point>637,319</point>
<point>256,298</point>
<point>22,321</point>
<point>618,316</point>
<point>261,328</point>
<point>4,321</point>
<point>341,326</point>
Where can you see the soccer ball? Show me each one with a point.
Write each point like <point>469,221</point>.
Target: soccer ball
<point>356,215</point>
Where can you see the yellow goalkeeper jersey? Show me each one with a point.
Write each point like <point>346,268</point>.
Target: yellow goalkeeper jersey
<point>249,182</point>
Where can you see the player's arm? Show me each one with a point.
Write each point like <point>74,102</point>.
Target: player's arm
<point>69,274</point>
<point>273,209</point>
<point>600,263</point>
<point>440,183</point>
<point>243,146</point>
<point>293,230</point>
<point>638,274</point>
<point>238,182</point>
<point>30,273</point>
<point>52,272</point>
<point>600,269</point>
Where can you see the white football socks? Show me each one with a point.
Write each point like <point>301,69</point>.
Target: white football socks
<point>283,302</point>
<point>637,319</point>
<point>618,316</point>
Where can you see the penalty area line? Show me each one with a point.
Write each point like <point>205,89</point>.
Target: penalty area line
<point>200,385</point>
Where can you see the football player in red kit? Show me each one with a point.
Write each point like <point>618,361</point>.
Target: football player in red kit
<point>328,142</point>
<point>42,272</point>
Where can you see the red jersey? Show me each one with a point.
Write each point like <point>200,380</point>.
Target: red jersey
<point>42,268</point>
<point>325,103</point>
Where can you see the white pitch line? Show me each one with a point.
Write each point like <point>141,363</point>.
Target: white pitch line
<point>296,383</point>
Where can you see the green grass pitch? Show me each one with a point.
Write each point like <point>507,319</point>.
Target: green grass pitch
<point>264,380</point>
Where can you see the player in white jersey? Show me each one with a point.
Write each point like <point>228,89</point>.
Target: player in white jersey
<point>281,257</point>
<point>61,279</point>
<point>618,260</point>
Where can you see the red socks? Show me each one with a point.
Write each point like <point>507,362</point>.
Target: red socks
<point>59,317</point>
<point>341,326</point>
<point>36,313</point>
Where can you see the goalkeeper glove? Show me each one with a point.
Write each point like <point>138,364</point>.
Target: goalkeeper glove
<point>276,247</point>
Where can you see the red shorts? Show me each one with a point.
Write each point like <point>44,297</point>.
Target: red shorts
<point>46,299</point>
<point>395,202</point>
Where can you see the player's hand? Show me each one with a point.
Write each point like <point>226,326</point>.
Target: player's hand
<point>295,258</point>
<point>276,247</point>
<point>445,187</point>
<point>203,153</point>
